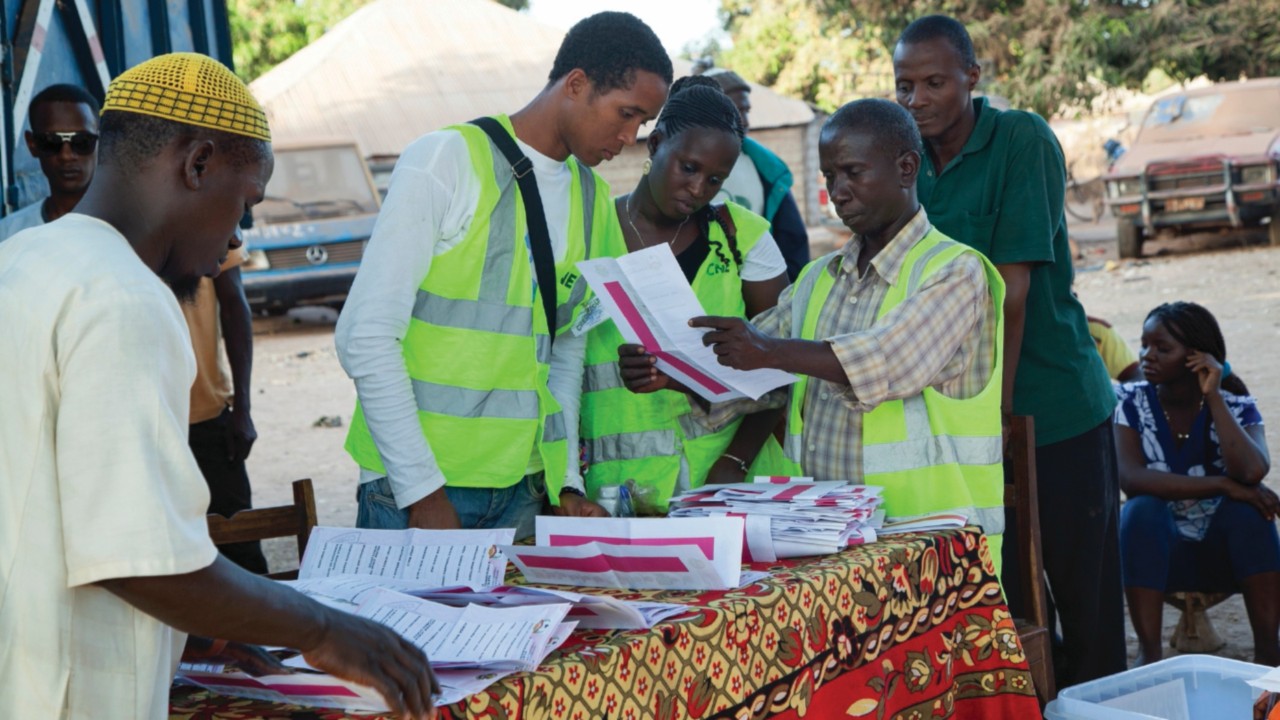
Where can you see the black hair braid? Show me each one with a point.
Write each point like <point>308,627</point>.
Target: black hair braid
<point>1196,328</point>
<point>706,216</point>
<point>698,101</point>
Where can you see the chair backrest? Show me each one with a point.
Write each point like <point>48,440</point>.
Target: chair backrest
<point>272,522</point>
<point>1021,495</point>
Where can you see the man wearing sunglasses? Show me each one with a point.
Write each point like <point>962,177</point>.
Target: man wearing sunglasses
<point>64,138</point>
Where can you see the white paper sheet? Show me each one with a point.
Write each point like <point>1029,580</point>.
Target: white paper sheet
<point>789,517</point>
<point>676,567</point>
<point>597,612</point>
<point>647,296</point>
<point>719,539</point>
<point>430,558</point>
<point>307,689</point>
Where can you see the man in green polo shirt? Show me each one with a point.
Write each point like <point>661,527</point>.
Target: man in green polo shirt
<point>995,181</point>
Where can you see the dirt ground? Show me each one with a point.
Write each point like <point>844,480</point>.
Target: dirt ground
<point>303,400</point>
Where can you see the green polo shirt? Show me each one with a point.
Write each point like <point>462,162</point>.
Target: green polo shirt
<point>1003,196</point>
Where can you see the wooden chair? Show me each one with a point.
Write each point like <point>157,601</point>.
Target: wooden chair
<point>271,522</point>
<point>1020,494</point>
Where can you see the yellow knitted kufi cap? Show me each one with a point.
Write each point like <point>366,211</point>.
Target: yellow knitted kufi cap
<point>191,89</point>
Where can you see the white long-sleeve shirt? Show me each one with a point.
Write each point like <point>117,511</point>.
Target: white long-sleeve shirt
<point>428,210</point>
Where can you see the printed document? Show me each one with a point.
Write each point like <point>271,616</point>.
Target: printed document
<point>647,296</point>
<point>429,558</point>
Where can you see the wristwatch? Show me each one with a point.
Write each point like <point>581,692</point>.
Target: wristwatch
<point>572,491</point>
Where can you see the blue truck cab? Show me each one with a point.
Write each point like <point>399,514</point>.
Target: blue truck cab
<point>310,231</point>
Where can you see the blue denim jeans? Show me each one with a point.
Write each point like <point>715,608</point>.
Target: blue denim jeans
<point>478,508</point>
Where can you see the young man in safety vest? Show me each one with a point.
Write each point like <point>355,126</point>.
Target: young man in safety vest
<point>468,388</point>
<point>896,337</point>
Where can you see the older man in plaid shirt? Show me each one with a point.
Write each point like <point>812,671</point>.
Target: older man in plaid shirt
<point>901,313</point>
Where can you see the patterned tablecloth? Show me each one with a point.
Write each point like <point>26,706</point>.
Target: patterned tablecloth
<point>909,628</point>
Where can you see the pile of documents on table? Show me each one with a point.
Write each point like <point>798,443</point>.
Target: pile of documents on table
<point>475,630</point>
<point>790,516</point>
<point>635,553</point>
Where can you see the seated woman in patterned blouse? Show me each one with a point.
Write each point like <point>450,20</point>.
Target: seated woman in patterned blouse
<point>1192,458</point>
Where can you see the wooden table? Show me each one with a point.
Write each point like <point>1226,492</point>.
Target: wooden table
<point>912,627</point>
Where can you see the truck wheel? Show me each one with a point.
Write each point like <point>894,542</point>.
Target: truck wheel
<point>1273,230</point>
<point>1129,235</point>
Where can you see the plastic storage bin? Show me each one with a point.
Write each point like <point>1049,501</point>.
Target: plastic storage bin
<point>1215,688</point>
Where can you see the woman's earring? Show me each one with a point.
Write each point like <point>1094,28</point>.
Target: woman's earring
<point>644,169</point>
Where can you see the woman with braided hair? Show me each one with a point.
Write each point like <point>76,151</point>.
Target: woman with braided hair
<point>734,267</point>
<point>1192,457</point>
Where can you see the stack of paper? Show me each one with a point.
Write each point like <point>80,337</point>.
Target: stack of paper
<point>789,517</point>
<point>596,612</point>
<point>510,639</point>
<point>348,592</point>
<point>369,572</point>
<point>634,553</point>
<point>928,522</point>
<point>470,648</point>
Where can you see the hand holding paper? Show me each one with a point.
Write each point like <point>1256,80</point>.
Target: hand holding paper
<point>646,295</point>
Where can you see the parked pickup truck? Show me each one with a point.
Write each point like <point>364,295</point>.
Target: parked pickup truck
<point>1203,159</point>
<point>310,231</point>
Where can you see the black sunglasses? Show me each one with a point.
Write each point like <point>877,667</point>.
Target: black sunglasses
<point>50,143</point>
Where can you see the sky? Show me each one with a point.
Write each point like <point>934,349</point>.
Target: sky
<point>676,22</point>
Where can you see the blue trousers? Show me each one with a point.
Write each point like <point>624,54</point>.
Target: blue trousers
<point>515,506</point>
<point>1153,554</point>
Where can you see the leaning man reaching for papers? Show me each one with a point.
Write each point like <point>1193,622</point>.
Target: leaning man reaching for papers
<point>896,337</point>
<point>105,557</point>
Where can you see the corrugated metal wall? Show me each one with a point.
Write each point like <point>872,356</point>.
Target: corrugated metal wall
<point>86,42</point>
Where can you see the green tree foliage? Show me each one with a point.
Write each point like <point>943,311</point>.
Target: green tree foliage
<point>265,32</point>
<point>1047,55</point>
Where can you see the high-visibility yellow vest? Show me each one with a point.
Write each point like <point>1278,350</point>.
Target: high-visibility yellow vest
<point>930,452</point>
<point>478,348</point>
<point>644,436</point>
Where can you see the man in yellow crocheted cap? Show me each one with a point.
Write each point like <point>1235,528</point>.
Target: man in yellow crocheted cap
<point>105,557</point>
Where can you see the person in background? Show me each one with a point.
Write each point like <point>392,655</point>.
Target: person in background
<point>761,181</point>
<point>64,138</point>
<point>996,181</point>
<point>1193,455</point>
<point>105,557</point>
<point>468,387</point>
<point>1121,362</point>
<point>734,267</point>
<point>896,337</point>
<point>222,432</point>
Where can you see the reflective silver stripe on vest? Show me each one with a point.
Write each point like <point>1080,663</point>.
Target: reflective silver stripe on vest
<point>564,313</point>
<point>553,430</point>
<point>804,291</point>
<point>499,254</point>
<point>917,270</point>
<point>632,446</point>
<point>923,449</point>
<point>542,348</point>
<point>600,377</point>
<point>497,318</point>
<point>468,403</point>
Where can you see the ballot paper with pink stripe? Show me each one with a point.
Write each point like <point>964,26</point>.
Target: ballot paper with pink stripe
<point>789,517</point>
<point>637,553</point>
<point>647,296</point>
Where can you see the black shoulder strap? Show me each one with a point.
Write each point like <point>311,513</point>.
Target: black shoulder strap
<point>544,263</point>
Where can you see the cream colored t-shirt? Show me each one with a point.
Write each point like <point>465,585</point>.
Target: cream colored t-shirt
<point>96,481</point>
<point>211,392</point>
